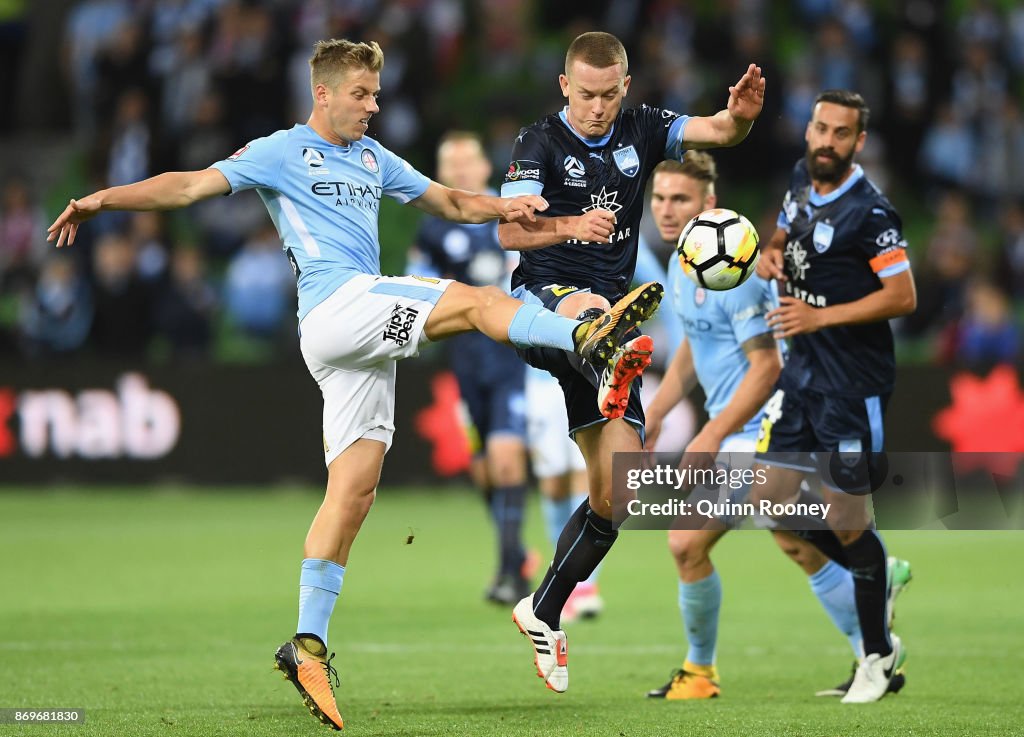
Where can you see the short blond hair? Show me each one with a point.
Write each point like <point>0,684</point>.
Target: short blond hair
<point>597,49</point>
<point>697,165</point>
<point>333,58</point>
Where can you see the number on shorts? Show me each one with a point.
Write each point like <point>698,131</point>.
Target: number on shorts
<point>772,414</point>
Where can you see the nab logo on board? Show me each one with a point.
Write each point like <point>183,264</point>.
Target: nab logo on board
<point>131,421</point>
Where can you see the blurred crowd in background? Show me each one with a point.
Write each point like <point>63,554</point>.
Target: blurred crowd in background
<point>156,85</point>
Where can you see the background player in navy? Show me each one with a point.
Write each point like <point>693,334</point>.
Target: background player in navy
<point>491,376</point>
<point>839,250</point>
<point>591,162</point>
<point>730,351</point>
<point>322,183</point>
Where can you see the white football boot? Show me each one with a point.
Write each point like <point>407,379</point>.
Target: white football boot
<point>549,646</point>
<point>871,681</point>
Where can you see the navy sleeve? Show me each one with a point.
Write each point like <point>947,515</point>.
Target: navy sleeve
<point>527,171</point>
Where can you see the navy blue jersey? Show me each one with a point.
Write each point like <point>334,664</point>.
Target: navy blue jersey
<point>470,254</point>
<point>839,247</point>
<point>576,175</point>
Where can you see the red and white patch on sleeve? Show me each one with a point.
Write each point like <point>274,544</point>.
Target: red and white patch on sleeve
<point>238,153</point>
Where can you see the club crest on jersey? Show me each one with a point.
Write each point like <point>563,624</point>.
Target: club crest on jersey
<point>370,161</point>
<point>627,160</point>
<point>823,233</point>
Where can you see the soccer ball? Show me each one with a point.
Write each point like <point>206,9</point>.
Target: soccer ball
<point>718,249</point>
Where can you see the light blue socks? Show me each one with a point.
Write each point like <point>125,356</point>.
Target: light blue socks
<point>699,603</point>
<point>319,586</point>
<point>833,585</point>
<point>534,327</point>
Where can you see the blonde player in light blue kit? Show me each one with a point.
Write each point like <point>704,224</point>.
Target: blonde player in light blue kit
<point>322,184</point>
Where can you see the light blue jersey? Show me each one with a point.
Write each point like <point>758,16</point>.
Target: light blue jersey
<point>716,325</point>
<point>325,202</point>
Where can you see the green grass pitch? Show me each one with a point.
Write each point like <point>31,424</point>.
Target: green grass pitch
<point>159,612</point>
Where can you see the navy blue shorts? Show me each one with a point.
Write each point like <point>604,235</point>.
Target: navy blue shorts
<point>838,437</point>
<point>578,379</point>
<point>492,383</point>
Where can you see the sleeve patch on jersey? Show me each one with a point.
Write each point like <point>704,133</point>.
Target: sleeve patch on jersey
<point>238,153</point>
<point>890,258</point>
<point>890,237</point>
<point>524,169</point>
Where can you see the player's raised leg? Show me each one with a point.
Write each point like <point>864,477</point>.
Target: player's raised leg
<point>507,320</point>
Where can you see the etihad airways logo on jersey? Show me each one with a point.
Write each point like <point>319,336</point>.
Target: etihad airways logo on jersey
<point>517,171</point>
<point>366,196</point>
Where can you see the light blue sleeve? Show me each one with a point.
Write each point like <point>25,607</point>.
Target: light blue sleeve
<point>257,164</point>
<point>400,180</point>
<point>674,148</point>
<point>517,189</point>
<point>746,307</point>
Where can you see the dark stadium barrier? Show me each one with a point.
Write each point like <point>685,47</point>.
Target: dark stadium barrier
<point>86,423</point>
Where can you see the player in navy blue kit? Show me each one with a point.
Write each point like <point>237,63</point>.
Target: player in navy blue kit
<point>840,253</point>
<point>491,377</point>
<point>591,162</point>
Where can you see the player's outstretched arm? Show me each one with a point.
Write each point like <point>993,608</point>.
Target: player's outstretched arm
<point>729,126</point>
<point>167,191</point>
<point>594,226</point>
<point>461,206</point>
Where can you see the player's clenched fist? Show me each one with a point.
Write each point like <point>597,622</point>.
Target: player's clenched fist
<point>594,226</point>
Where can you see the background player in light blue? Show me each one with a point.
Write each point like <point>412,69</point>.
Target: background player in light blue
<point>491,376</point>
<point>322,183</point>
<point>730,351</point>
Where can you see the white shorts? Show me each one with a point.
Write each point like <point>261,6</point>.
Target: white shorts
<point>351,341</point>
<point>552,451</point>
